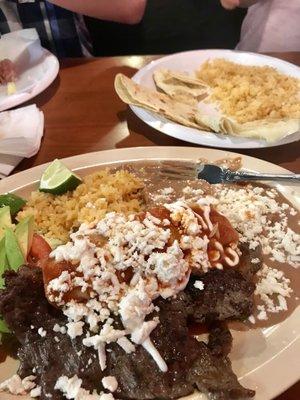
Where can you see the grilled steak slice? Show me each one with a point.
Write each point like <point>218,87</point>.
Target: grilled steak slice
<point>198,357</point>
<point>246,267</point>
<point>227,294</point>
<point>52,359</point>
<point>213,376</point>
<point>138,375</point>
<point>191,364</point>
<point>23,303</point>
<point>25,308</point>
<point>220,339</point>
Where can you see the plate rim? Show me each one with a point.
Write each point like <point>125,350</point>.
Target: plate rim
<point>159,151</point>
<point>256,143</point>
<point>17,99</point>
<point>87,160</point>
<point>260,55</point>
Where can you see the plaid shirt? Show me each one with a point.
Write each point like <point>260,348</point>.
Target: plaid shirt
<point>62,32</point>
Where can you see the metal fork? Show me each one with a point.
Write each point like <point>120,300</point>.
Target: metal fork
<point>216,174</point>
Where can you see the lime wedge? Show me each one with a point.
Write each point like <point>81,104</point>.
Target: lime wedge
<point>58,179</point>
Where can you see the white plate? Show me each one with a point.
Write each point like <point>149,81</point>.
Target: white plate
<point>36,70</point>
<point>266,360</point>
<point>189,62</point>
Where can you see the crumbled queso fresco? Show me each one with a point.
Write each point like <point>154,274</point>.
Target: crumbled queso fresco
<point>272,283</point>
<point>71,388</point>
<point>251,211</point>
<point>158,264</point>
<point>16,385</point>
<point>199,285</point>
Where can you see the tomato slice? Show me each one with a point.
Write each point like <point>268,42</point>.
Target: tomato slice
<point>40,249</point>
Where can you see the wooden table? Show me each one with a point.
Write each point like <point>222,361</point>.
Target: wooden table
<point>83,114</point>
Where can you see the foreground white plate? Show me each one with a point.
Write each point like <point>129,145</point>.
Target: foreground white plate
<point>266,360</point>
<point>189,62</point>
<point>36,70</point>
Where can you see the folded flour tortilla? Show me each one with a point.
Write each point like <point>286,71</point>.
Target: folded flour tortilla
<point>268,130</point>
<point>181,87</point>
<point>135,94</point>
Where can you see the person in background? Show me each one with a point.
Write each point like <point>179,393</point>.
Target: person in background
<point>60,23</point>
<point>170,26</point>
<point>269,26</point>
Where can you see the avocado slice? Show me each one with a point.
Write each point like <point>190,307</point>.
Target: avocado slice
<point>5,219</point>
<point>13,251</point>
<point>24,234</point>
<point>3,327</point>
<point>3,262</point>
<point>3,266</point>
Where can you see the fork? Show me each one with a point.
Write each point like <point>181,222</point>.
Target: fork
<point>216,174</point>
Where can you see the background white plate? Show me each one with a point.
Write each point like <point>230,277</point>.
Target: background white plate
<point>36,70</point>
<point>189,62</point>
<point>266,360</point>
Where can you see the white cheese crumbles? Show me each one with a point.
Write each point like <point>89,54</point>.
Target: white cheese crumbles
<point>110,383</point>
<point>72,390</point>
<point>273,289</point>
<point>162,195</point>
<point>16,385</point>
<point>42,332</point>
<point>59,329</point>
<point>167,194</point>
<point>36,392</point>
<point>199,285</point>
<point>262,220</point>
<point>141,248</point>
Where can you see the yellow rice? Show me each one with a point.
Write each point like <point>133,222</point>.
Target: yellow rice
<point>101,192</point>
<point>250,93</point>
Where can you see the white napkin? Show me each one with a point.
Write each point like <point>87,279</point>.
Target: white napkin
<point>21,131</point>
